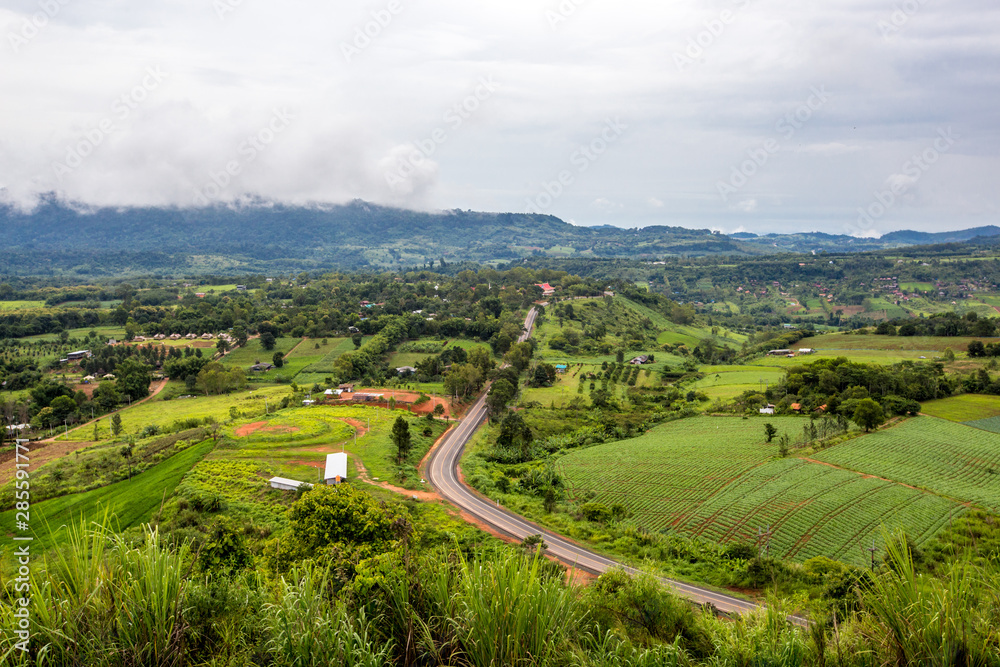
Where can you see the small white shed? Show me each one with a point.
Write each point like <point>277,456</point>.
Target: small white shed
<point>336,468</point>
<point>283,484</point>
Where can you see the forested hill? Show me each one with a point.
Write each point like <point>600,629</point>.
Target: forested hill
<point>271,238</point>
<point>57,239</point>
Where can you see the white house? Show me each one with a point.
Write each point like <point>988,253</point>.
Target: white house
<point>283,484</point>
<point>769,410</point>
<point>336,468</point>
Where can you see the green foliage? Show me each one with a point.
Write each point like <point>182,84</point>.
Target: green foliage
<point>868,415</point>
<point>401,438</point>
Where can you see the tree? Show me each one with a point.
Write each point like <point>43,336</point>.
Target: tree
<point>116,424</point>
<point>770,431</point>
<point>132,377</point>
<point>357,340</point>
<point>868,414</point>
<point>401,438</point>
<point>278,360</point>
<point>222,346</point>
<point>267,340</point>
<point>516,434</point>
<point>128,453</point>
<point>501,393</point>
<point>462,380</point>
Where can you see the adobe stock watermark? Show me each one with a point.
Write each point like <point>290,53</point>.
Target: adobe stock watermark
<point>563,12</point>
<point>901,14</point>
<point>365,35</point>
<point>246,153</point>
<point>224,7</point>
<point>121,109</point>
<point>759,156</point>
<point>581,159</point>
<point>455,117</point>
<point>705,39</point>
<point>32,26</point>
<point>900,183</point>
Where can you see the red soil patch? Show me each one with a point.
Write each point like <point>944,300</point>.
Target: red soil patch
<point>248,429</point>
<point>39,453</point>
<point>409,397</point>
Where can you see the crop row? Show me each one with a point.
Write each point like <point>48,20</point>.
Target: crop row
<point>947,458</point>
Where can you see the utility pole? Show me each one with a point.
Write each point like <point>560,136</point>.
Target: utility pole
<point>764,540</point>
<point>873,550</point>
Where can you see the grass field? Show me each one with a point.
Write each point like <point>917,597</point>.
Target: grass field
<point>861,356</point>
<point>728,382</point>
<point>21,305</point>
<point>250,353</point>
<point>324,363</point>
<point>714,477</point>
<point>927,344</point>
<point>964,408</point>
<point>400,359</point>
<point>943,457</point>
<point>126,504</point>
<point>916,287</point>
<point>164,413</point>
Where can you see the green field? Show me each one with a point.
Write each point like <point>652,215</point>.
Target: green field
<point>815,510</point>
<point>964,408</point>
<point>728,382</point>
<point>21,305</point>
<point>684,463</point>
<point>252,352</point>
<point>916,287</point>
<point>929,345</point>
<point>324,364</point>
<point>715,477</point>
<point>400,359</point>
<point>861,356</point>
<point>950,459</point>
<point>164,413</point>
<point>126,504</point>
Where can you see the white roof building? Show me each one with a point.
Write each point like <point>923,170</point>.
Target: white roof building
<point>283,484</point>
<point>336,468</point>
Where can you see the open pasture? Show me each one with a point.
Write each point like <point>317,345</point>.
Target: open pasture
<point>126,504</point>
<point>158,412</point>
<point>325,364</point>
<point>20,305</point>
<point>929,345</point>
<point>253,352</point>
<point>963,408</point>
<point>728,382</point>
<point>815,510</point>
<point>949,459</point>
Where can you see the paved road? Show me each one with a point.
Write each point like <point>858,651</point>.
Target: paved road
<point>443,474</point>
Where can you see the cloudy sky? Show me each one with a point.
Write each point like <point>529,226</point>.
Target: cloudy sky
<point>846,116</point>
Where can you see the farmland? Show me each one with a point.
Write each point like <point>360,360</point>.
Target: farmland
<point>715,478</point>
<point>126,504</point>
<point>164,414</point>
<point>686,462</point>
<point>963,408</point>
<point>815,510</point>
<point>21,305</point>
<point>728,382</point>
<point>930,345</point>
<point>949,459</point>
<point>253,352</point>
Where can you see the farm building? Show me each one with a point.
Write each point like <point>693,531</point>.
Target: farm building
<point>175,336</point>
<point>806,350</point>
<point>308,402</point>
<point>769,410</point>
<point>336,468</point>
<point>206,336</point>
<point>160,337</point>
<point>283,484</point>
<point>347,388</point>
<point>191,336</point>
<point>561,368</point>
<point>640,360</point>
<point>77,356</point>
<point>779,353</point>
<point>368,398</point>
<point>406,370</point>
<point>262,368</point>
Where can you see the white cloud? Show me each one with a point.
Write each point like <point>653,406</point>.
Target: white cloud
<point>887,98</point>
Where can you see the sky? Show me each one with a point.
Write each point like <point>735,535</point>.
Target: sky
<point>846,116</point>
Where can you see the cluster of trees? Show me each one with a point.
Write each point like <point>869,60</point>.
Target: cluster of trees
<point>841,386</point>
<point>941,324</point>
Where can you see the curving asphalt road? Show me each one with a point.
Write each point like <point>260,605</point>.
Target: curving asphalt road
<point>442,473</point>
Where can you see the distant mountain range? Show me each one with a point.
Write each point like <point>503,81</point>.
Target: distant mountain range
<point>60,239</point>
